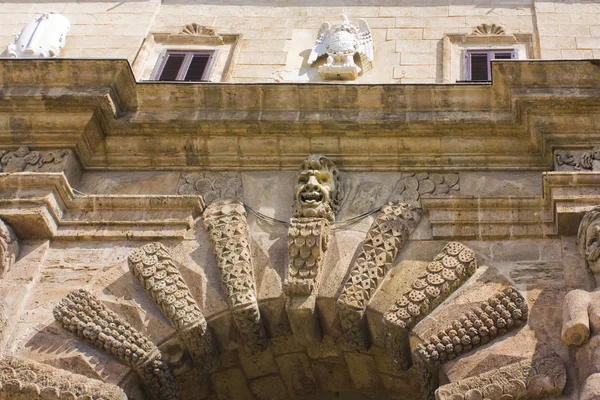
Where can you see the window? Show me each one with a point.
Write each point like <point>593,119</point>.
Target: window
<point>478,63</point>
<point>188,66</point>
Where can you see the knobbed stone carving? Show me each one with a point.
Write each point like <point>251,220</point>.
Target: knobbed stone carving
<point>308,239</point>
<point>387,235</point>
<point>502,312</point>
<point>24,379</point>
<point>9,247</point>
<point>542,377</point>
<point>448,270</point>
<point>229,237</point>
<point>86,317</point>
<point>154,268</point>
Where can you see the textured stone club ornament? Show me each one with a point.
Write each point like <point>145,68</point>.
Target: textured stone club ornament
<point>23,379</point>
<point>387,235</point>
<point>448,270</point>
<point>499,314</point>
<point>154,268</point>
<point>542,377</point>
<point>230,240</point>
<point>86,317</point>
<point>9,247</point>
<point>341,42</point>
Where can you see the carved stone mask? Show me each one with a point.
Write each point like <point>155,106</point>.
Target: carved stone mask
<point>319,190</point>
<point>588,239</point>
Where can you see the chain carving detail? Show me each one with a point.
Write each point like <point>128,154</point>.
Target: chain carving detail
<point>308,239</point>
<point>502,312</point>
<point>85,316</point>
<point>229,237</point>
<point>154,268</point>
<point>24,379</point>
<point>448,270</point>
<point>387,235</point>
<point>543,377</point>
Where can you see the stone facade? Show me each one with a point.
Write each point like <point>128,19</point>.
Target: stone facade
<point>277,240</point>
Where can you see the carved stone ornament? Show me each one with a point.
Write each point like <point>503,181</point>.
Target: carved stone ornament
<point>577,160</point>
<point>24,379</point>
<point>24,159</point>
<point>540,378</point>
<point>341,42</point>
<point>499,314</point>
<point>212,186</point>
<point>85,316</point>
<point>45,36</point>
<point>387,235</point>
<point>154,268</point>
<point>588,239</point>
<point>9,247</point>
<point>195,29</point>
<point>308,239</point>
<point>448,270</point>
<point>488,30</point>
<point>318,192</point>
<point>230,240</point>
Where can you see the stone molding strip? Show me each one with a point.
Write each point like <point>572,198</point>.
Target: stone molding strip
<point>387,236</point>
<point>86,317</point>
<point>502,312</point>
<point>448,270</point>
<point>230,240</point>
<point>24,379</point>
<point>540,378</point>
<point>154,268</point>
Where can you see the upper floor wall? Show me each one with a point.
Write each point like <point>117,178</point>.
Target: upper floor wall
<point>265,41</point>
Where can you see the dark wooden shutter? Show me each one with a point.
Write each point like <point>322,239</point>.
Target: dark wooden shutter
<point>479,67</point>
<point>172,67</point>
<point>503,56</point>
<point>197,67</point>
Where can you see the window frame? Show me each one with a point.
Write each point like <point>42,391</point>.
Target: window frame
<point>185,65</point>
<point>468,53</point>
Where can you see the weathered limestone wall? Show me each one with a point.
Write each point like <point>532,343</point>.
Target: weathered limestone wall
<point>277,38</point>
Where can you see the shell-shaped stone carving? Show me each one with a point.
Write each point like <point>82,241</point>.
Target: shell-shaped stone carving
<point>488,30</point>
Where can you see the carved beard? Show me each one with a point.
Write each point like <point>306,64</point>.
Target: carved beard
<point>323,210</point>
<point>592,252</point>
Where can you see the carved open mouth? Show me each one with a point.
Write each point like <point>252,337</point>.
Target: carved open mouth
<point>311,197</point>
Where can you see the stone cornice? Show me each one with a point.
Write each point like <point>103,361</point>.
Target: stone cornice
<point>112,122</point>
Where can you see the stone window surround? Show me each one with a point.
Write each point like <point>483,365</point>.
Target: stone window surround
<point>227,47</point>
<point>453,46</point>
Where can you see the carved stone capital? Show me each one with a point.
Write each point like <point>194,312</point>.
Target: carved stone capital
<point>85,316</point>
<point>156,271</point>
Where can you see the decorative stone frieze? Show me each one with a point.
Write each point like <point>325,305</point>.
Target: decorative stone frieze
<point>9,247</point>
<point>85,316</point>
<point>212,186</point>
<point>341,42</point>
<point>499,314</point>
<point>24,159</point>
<point>387,235</point>
<point>156,271</point>
<point>230,240</point>
<point>24,379</point>
<point>45,36</point>
<point>577,160</point>
<point>448,270</point>
<point>540,378</point>
<point>413,187</point>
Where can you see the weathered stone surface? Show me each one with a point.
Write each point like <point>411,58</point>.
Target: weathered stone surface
<point>212,186</point>
<point>298,376</point>
<point>9,247</point>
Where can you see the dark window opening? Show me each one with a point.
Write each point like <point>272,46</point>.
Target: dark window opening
<point>478,66</point>
<point>188,66</point>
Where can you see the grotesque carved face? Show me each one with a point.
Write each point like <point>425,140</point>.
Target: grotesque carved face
<point>318,191</point>
<point>589,239</point>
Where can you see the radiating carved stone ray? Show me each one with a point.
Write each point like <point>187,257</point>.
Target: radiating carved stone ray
<point>542,377</point>
<point>308,239</point>
<point>229,237</point>
<point>86,317</point>
<point>9,247</point>
<point>154,268</point>
<point>387,235</point>
<point>448,270</point>
<point>499,314</point>
<point>24,379</point>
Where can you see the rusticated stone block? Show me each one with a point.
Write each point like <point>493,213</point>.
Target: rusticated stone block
<point>154,268</point>
<point>448,270</point>
<point>231,385</point>
<point>543,377</point>
<point>34,381</point>
<point>86,317</point>
<point>268,388</point>
<point>386,237</point>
